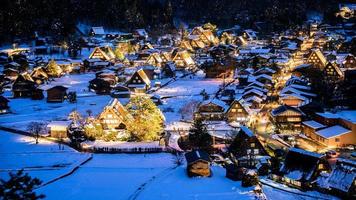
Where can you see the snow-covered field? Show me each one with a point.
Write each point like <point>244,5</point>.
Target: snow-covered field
<point>183,91</point>
<point>119,176</point>
<point>74,82</point>
<point>46,160</point>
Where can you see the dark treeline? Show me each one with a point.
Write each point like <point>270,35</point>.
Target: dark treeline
<point>21,18</point>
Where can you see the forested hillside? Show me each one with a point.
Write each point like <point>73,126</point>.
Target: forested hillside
<point>22,17</point>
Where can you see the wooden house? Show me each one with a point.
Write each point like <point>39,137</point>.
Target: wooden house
<point>198,163</point>
<point>166,57</point>
<point>301,168</point>
<point>12,65</point>
<point>11,74</point>
<point>185,44</point>
<point>37,94</point>
<point>310,127</point>
<point>100,86</point>
<point>226,38</point>
<point>155,60</point>
<point>342,180</point>
<point>104,53</point>
<point>317,59</point>
<point>97,31</point>
<point>183,60</point>
<point>293,99</point>
<point>94,64</point>
<point>334,136</point>
<point>139,82</point>
<point>206,35</point>
<point>56,94</point>
<point>247,148</point>
<point>146,46</point>
<point>196,42</point>
<point>249,35</point>
<point>4,107</point>
<point>168,70</point>
<point>113,116</point>
<point>349,62</point>
<point>287,117</point>
<point>332,73</point>
<point>120,91</point>
<point>58,129</point>
<point>39,75</point>
<point>23,86</point>
<point>140,34</point>
<point>211,110</point>
<point>219,70</point>
<point>238,112</point>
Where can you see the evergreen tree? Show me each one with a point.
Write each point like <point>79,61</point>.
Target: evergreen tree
<point>199,138</point>
<point>19,186</point>
<point>77,135</point>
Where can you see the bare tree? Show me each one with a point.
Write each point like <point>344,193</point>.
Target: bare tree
<point>36,128</point>
<point>187,110</point>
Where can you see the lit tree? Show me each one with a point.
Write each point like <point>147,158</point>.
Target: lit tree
<point>145,122</point>
<point>53,69</point>
<point>119,55</point>
<point>19,186</point>
<point>36,128</point>
<point>75,116</point>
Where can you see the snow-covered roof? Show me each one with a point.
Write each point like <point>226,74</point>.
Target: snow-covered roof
<point>99,30</point>
<point>313,124</point>
<point>304,152</point>
<point>349,115</point>
<point>59,124</point>
<point>216,102</point>
<point>332,131</point>
<point>247,131</point>
<point>343,176</point>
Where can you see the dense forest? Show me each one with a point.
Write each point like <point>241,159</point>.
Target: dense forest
<point>21,18</point>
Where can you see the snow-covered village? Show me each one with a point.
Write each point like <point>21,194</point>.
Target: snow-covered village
<point>179,100</point>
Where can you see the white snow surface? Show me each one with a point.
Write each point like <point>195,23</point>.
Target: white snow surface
<point>45,160</point>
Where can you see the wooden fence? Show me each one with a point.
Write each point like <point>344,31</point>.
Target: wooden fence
<point>132,150</point>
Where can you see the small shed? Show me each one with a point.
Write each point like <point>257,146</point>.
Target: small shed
<point>198,163</point>
<point>56,94</point>
<point>58,129</point>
